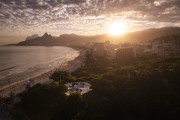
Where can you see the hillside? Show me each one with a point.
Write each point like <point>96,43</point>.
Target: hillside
<point>174,38</point>
<point>149,34</point>
<point>143,36</point>
<point>64,40</point>
<point>45,40</point>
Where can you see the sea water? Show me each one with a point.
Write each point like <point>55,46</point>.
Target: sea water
<point>22,62</point>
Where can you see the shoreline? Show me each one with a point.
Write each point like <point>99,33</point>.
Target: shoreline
<point>43,78</point>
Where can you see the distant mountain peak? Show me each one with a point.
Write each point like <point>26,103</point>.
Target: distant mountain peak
<point>32,37</point>
<point>144,36</point>
<point>46,34</point>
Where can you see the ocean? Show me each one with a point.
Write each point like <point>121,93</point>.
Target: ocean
<point>22,62</point>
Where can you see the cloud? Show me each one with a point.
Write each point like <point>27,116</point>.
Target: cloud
<point>21,15</point>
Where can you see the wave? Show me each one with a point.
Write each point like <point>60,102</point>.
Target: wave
<point>8,68</point>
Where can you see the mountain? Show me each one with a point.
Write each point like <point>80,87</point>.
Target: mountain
<point>149,34</point>
<point>174,38</point>
<point>64,40</point>
<point>45,40</point>
<point>77,40</point>
<point>74,40</point>
<point>32,37</point>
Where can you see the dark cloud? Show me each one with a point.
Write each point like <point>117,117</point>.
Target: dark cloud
<point>52,3</point>
<point>35,4</point>
<point>7,1</point>
<point>1,5</point>
<point>19,2</point>
<point>71,1</point>
<point>39,12</point>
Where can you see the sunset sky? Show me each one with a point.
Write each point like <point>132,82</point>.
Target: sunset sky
<point>84,17</point>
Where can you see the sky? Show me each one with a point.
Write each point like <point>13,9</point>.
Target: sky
<point>84,17</point>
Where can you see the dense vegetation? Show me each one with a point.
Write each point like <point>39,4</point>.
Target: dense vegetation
<point>143,89</point>
<point>48,102</point>
<point>147,89</point>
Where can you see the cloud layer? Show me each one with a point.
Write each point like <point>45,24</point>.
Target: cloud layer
<point>84,16</point>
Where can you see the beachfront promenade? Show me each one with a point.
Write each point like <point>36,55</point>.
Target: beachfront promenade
<point>20,86</point>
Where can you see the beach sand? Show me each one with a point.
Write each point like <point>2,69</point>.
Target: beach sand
<point>20,85</point>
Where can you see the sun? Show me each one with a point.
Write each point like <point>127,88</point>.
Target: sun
<point>116,29</point>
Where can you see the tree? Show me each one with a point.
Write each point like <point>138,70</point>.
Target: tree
<point>43,102</point>
<point>61,76</point>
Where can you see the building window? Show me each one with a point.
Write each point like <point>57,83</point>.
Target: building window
<point>165,41</point>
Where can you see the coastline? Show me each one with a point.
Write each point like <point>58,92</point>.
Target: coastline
<point>69,66</point>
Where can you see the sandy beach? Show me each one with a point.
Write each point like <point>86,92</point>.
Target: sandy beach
<point>20,85</point>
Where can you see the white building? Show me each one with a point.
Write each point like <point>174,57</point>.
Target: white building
<point>99,49</point>
<point>104,49</point>
<point>125,54</point>
<point>81,87</point>
<point>165,47</point>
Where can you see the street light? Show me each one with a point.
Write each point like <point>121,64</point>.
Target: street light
<point>10,88</point>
